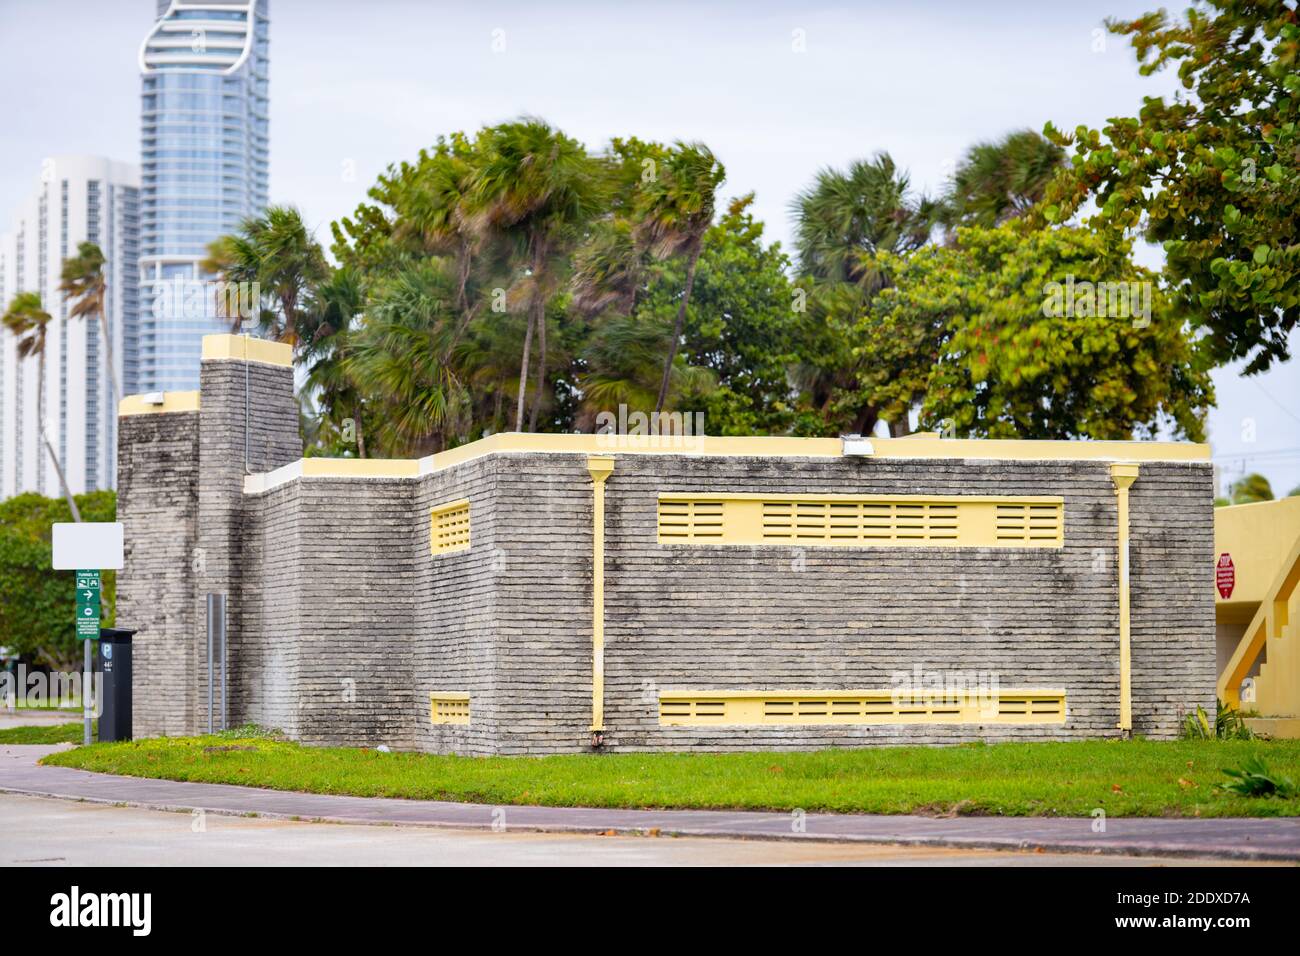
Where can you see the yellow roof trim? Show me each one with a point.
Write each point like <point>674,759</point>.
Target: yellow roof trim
<point>158,403</point>
<point>913,446</point>
<point>246,348</point>
<point>360,467</point>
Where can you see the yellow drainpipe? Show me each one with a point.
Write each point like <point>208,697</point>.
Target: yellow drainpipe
<point>1124,476</point>
<point>600,467</point>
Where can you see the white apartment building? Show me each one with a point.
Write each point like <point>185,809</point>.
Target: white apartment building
<point>74,199</point>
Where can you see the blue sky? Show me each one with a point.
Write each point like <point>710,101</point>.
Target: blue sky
<point>777,89</point>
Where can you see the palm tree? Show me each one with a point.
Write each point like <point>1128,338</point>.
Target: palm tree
<point>276,251</point>
<point>1251,488</point>
<point>608,270</point>
<point>621,362</point>
<point>237,260</point>
<point>843,222</point>
<point>399,355</point>
<point>326,347</point>
<point>1001,180</point>
<point>85,284</point>
<point>30,323</point>
<point>674,210</point>
<point>537,188</point>
<point>844,218</point>
<point>435,206</point>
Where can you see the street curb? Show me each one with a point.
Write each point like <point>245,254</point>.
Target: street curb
<point>1115,849</point>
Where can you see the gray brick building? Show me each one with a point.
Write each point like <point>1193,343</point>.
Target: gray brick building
<point>544,593</point>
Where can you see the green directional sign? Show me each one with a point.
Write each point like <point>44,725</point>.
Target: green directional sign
<point>88,604</point>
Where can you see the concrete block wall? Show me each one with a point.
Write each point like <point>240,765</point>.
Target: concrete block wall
<point>1171,545</point>
<point>266,678</point>
<point>457,642</point>
<point>157,502</point>
<point>781,617</point>
<point>543,510</point>
<point>355,630</point>
<point>248,423</point>
<point>342,621</point>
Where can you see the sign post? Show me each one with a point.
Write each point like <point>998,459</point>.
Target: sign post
<point>88,616</point>
<point>86,547</point>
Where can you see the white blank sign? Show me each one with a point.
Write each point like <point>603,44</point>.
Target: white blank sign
<point>88,545</point>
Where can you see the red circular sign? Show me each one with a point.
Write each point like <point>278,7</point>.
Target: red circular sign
<point>1225,576</point>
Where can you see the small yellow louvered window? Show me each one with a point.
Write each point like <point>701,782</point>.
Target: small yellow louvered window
<point>690,520</point>
<point>751,708</point>
<point>847,521</point>
<point>1029,523</point>
<point>449,708</point>
<point>794,521</point>
<point>449,527</point>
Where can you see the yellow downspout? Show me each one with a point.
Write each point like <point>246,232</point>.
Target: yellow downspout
<point>600,467</point>
<point>1124,476</point>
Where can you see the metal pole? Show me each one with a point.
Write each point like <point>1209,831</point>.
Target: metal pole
<point>87,681</point>
<point>211,628</point>
<point>246,374</point>
<point>225,695</point>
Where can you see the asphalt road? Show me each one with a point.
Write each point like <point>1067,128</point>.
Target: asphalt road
<point>43,831</point>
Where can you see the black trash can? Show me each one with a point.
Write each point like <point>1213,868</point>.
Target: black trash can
<point>115,666</point>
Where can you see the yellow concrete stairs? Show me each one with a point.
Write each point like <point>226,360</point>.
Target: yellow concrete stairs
<point>1273,631</point>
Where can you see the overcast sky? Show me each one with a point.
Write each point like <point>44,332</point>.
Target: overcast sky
<point>776,89</point>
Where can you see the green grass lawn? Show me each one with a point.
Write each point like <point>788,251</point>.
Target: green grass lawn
<point>1125,778</point>
<point>42,734</point>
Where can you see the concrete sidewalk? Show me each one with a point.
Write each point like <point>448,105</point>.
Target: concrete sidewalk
<point>1236,839</point>
<point>37,718</point>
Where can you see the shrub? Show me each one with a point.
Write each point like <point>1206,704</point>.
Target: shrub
<point>1254,779</point>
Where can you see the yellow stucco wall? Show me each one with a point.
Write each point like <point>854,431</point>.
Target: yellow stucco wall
<point>1258,536</point>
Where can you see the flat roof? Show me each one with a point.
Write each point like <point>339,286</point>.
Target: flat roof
<point>921,446</point>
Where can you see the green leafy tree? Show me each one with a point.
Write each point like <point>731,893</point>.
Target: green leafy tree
<point>36,619</point>
<point>86,286</point>
<point>1049,334</point>
<point>29,324</point>
<point>1253,487</point>
<point>1214,175</point>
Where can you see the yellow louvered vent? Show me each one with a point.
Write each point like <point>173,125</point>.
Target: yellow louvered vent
<point>691,708</point>
<point>449,527</point>
<point>1029,523</point>
<point>753,708</point>
<point>1046,706</point>
<point>954,521</point>
<point>449,708</point>
<point>848,521</point>
<point>690,520</point>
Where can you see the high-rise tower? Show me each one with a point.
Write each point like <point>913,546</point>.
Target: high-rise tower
<point>204,168</point>
<point>75,199</point>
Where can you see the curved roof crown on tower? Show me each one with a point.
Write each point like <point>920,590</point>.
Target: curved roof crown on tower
<point>212,37</point>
